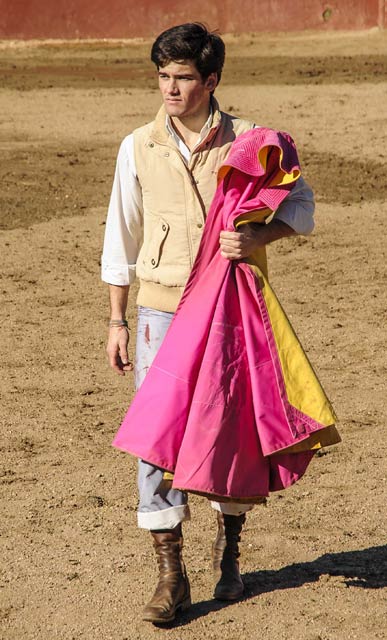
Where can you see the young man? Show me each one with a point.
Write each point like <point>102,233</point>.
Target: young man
<point>164,183</point>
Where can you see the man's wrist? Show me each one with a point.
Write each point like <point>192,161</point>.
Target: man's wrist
<point>261,234</point>
<point>274,230</point>
<point>118,322</point>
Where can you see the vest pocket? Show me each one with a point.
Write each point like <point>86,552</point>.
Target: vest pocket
<point>159,233</point>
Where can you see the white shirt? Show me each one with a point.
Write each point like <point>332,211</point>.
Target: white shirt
<point>124,224</point>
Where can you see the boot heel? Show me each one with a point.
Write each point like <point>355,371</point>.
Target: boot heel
<point>186,604</point>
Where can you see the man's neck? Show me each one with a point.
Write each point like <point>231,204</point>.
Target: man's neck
<point>189,128</point>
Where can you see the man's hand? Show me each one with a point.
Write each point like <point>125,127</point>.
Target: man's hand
<point>117,350</point>
<point>236,245</point>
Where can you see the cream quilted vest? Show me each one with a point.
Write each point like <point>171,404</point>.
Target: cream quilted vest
<point>176,198</point>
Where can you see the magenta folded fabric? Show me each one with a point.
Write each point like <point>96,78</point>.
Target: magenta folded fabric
<point>212,409</point>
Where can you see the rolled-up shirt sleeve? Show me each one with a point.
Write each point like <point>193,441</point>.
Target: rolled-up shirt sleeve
<point>124,223</point>
<point>297,209</point>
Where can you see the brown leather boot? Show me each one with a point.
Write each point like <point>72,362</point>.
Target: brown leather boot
<point>225,554</point>
<point>173,590</point>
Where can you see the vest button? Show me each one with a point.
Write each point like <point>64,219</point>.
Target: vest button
<point>166,154</point>
<point>151,144</point>
<point>199,225</point>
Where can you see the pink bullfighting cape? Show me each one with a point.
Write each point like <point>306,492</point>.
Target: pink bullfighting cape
<point>231,405</point>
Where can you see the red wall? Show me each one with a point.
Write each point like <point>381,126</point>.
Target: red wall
<point>142,18</point>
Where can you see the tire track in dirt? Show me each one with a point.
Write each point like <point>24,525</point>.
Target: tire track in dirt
<point>125,72</point>
<point>76,178</point>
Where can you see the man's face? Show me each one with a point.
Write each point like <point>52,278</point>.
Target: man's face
<point>184,92</point>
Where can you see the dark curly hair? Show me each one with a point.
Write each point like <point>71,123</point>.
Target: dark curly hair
<point>190,41</point>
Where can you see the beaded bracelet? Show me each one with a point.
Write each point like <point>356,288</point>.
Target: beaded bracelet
<point>119,323</point>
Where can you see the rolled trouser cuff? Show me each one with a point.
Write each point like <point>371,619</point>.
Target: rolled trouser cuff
<point>231,508</point>
<point>163,519</point>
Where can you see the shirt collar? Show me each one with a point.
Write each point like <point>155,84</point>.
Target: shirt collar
<point>203,133</point>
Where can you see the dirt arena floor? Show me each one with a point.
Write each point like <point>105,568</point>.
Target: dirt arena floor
<point>74,564</point>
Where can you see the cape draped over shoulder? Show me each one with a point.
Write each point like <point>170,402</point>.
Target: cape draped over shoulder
<point>231,405</point>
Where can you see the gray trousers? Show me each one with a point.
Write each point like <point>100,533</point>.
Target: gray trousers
<point>160,506</point>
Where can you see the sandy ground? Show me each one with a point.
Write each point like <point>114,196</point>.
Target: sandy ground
<point>74,564</point>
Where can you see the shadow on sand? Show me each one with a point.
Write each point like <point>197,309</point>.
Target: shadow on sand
<point>366,569</point>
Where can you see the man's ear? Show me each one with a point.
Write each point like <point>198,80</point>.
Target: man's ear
<point>212,81</point>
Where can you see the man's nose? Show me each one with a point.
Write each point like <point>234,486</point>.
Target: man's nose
<point>172,87</point>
